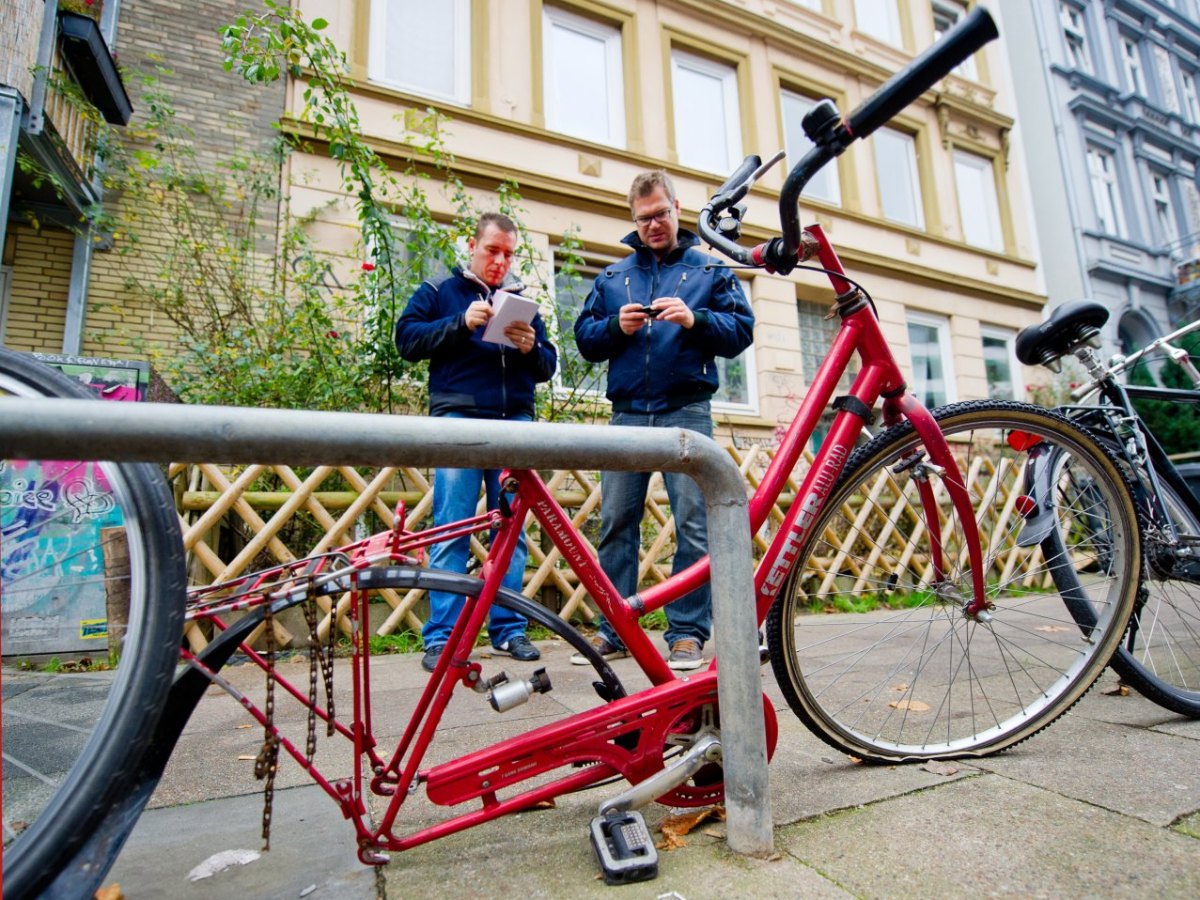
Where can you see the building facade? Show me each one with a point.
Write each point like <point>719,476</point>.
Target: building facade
<point>48,175</point>
<point>572,98</point>
<point>1110,114</point>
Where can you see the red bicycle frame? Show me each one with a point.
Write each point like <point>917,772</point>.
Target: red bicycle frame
<point>627,736</point>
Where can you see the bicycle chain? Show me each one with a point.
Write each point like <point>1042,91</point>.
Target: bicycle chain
<point>266,764</point>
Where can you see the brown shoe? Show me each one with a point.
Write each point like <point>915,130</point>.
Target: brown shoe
<point>685,654</point>
<point>602,647</point>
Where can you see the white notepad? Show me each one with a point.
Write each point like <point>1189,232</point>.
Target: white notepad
<point>506,309</point>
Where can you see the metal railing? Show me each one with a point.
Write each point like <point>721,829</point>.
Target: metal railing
<point>152,432</point>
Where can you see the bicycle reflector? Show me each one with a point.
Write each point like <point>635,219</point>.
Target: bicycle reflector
<point>1022,440</point>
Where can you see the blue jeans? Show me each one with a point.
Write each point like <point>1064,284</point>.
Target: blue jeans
<point>623,499</point>
<point>455,495</point>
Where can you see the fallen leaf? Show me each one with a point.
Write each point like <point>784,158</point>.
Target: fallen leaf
<point>110,892</point>
<point>937,767</point>
<point>901,688</point>
<point>673,828</point>
<point>1119,690</point>
<point>544,804</point>
<point>239,727</point>
<point>857,760</point>
<point>910,705</point>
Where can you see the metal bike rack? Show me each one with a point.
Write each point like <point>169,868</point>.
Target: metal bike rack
<point>156,432</point>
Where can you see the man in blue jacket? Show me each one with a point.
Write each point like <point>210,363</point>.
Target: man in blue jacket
<point>470,378</point>
<point>660,317</point>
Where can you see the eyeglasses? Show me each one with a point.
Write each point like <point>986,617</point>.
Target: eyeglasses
<point>661,215</point>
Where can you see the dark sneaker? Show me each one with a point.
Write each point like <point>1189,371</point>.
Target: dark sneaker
<point>430,660</point>
<point>604,648</point>
<point>518,648</point>
<point>685,654</point>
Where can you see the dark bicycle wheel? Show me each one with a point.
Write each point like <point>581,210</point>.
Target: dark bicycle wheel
<point>84,544</point>
<point>1160,656</point>
<point>881,659</point>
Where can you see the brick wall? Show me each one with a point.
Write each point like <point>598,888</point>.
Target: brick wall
<point>227,116</point>
<point>41,275</point>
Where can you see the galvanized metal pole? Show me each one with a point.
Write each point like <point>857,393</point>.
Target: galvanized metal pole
<point>65,429</point>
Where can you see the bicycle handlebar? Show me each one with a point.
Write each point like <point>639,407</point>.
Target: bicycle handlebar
<point>831,137</point>
<point>1121,364</point>
<point>975,30</point>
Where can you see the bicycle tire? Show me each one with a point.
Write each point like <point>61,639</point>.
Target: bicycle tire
<point>914,678</point>
<point>1160,657</point>
<point>63,769</point>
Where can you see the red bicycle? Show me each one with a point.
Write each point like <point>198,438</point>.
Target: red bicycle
<point>905,616</point>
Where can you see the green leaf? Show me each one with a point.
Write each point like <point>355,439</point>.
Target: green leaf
<point>319,24</point>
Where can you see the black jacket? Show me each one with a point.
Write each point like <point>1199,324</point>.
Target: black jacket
<point>467,374</point>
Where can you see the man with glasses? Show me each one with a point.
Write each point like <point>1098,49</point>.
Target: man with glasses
<point>660,317</point>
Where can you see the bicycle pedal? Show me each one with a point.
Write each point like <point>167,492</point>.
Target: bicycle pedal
<point>624,847</point>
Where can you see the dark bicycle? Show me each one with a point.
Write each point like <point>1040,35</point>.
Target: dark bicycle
<point>1160,655</point>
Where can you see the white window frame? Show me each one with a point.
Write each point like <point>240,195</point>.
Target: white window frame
<point>750,407</point>
<point>942,325</point>
<point>826,184</point>
<point>1131,59</point>
<point>951,12</point>
<point>377,52</point>
<point>1164,209</point>
<point>1009,338</point>
<point>981,227</point>
<point>1074,28</point>
<point>870,14</point>
<point>914,185</point>
<point>726,74</point>
<point>1106,190</point>
<point>1191,99</point>
<point>610,36</point>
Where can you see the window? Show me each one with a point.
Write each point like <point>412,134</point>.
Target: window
<point>816,334</point>
<point>880,19</point>
<point>585,94</point>
<point>1106,193</point>
<point>978,208</point>
<point>1075,35</point>
<point>824,185</point>
<point>1132,60</point>
<point>737,391</point>
<point>707,120</point>
<point>946,14</point>
<point>1000,363</point>
<point>929,347</point>
<point>422,47</point>
<point>572,284</point>
<point>1191,102</point>
<point>1164,211</point>
<point>899,184</point>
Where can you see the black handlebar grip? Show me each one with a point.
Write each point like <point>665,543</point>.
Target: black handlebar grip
<point>737,181</point>
<point>975,30</point>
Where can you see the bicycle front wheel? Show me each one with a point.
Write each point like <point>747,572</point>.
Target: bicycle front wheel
<point>84,545</point>
<point>874,649</point>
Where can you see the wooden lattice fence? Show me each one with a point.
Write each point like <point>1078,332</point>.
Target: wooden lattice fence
<point>237,520</point>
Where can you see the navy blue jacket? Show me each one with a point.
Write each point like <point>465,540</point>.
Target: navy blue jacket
<point>663,366</point>
<point>468,375</point>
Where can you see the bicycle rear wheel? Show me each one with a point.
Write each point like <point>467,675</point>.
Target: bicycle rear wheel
<point>81,542</point>
<point>1160,656</point>
<point>881,660</point>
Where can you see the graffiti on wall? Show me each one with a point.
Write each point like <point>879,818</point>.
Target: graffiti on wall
<point>58,521</point>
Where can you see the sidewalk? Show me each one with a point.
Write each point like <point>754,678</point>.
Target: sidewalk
<point>1106,803</point>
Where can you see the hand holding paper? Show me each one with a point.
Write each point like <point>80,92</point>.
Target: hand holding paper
<point>506,309</point>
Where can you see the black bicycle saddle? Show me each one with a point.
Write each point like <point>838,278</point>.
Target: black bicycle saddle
<point>1069,325</point>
